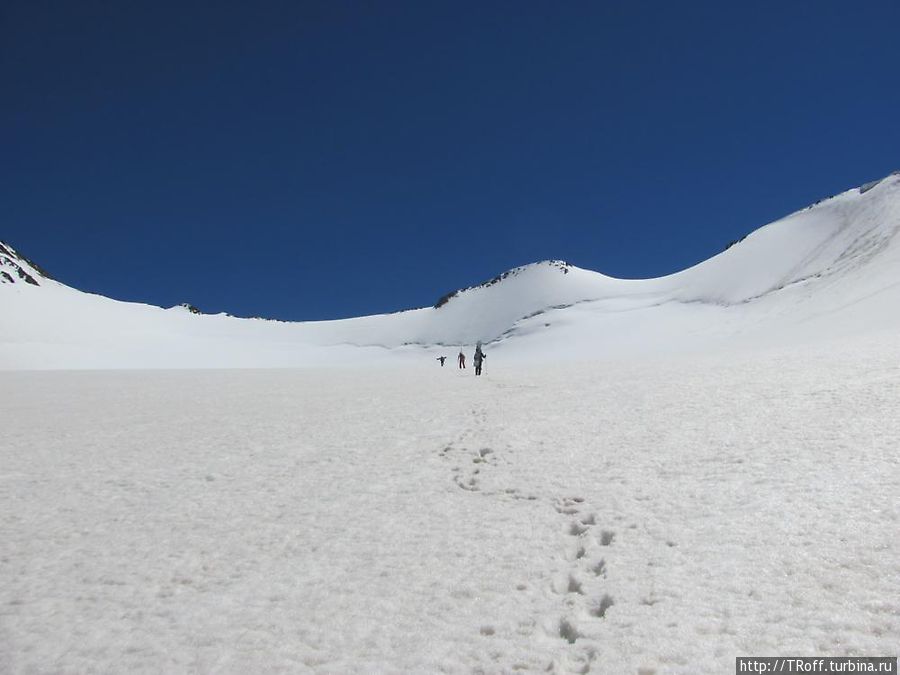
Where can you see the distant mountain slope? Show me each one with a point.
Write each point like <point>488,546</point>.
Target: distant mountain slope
<point>16,268</point>
<point>836,259</point>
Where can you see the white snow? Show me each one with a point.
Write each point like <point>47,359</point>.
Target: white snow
<point>798,277</point>
<point>423,520</point>
<point>652,476</point>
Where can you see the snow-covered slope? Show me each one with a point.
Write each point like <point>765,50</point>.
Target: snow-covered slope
<point>630,515</point>
<point>830,267</point>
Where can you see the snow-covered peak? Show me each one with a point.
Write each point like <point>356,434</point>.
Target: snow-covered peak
<point>823,270</point>
<point>17,269</point>
<point>525,270</point>
<point>838,234</point>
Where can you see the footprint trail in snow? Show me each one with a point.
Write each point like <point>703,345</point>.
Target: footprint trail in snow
<point>577,583</point>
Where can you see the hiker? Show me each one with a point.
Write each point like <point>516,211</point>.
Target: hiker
<point>478,358</point>
<point>461,359</point>
<point>442,359</point>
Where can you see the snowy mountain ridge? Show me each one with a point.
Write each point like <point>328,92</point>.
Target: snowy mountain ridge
<point>15,268</point>
<point>561,265</point>
<point>822,270</point>
<point>868,186</point>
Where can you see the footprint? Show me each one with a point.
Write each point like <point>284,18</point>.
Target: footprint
<point>607,537</point>
<point>568,632</point>
<point>576,529</point>
<point>482,456</point>
<point>471,484</point>
<point>576,554</point>
<point>567,584</point>
<point>600,609</point>
<point>599,569</point>
<point>580,664</point>
<point>574,586</point>
<point>568,505</point>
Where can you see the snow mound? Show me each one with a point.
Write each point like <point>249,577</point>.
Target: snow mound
<point>562,265</point>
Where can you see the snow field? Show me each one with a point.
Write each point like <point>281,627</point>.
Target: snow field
<point>653,516</point>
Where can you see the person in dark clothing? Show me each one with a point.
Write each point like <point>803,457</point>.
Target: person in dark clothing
<point>478,359</point>
<point>461,359</point>
<point>442,359</point>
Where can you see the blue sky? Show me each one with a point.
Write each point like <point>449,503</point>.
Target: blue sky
<point>314,160</point>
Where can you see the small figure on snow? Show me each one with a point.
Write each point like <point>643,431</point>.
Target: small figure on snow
<point>461,359</point>
<point>442,359</point>
<point>478,359</point>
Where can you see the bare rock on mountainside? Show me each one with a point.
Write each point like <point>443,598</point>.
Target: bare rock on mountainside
<point>15,267</point>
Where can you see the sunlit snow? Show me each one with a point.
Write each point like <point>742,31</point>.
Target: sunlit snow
<point>651,476</point>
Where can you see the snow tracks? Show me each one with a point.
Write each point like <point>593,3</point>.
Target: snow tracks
<point>567,595</point>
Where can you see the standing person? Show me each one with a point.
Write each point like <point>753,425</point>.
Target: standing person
<point>442,359</point>
<point>461,359</point>
<point>478,358</point>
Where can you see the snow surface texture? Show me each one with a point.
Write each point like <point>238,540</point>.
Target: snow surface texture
<point>831,268</point>
<point>648,516</point>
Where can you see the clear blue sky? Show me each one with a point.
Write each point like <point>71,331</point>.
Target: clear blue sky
<point>311,160</point>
